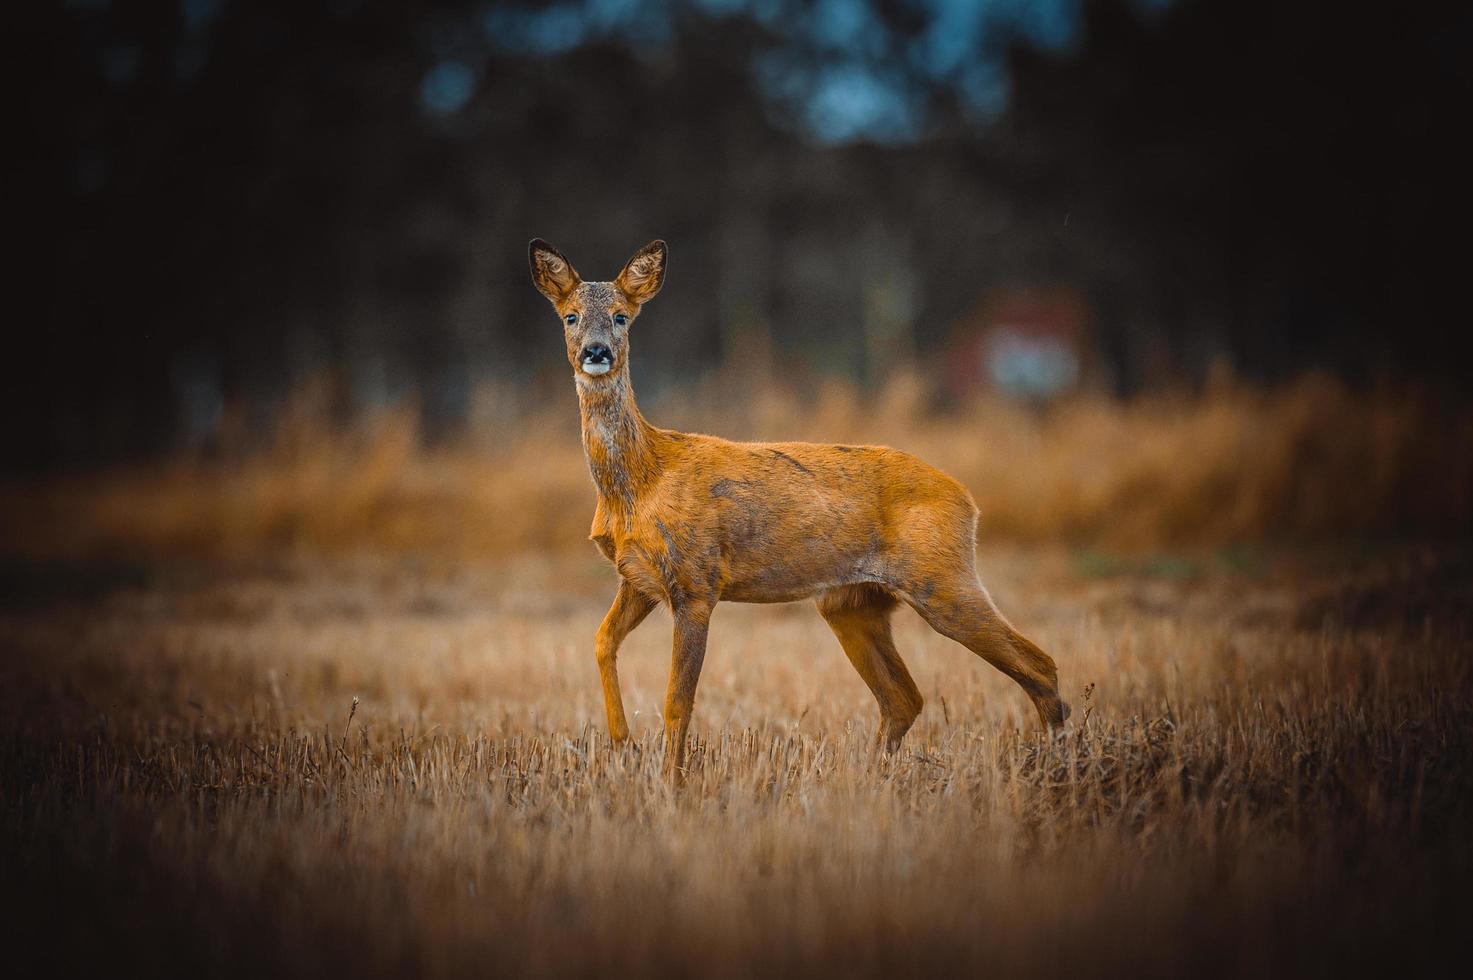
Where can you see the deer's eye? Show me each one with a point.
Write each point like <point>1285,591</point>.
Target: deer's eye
<point>571,318</point>
<point>620,319</point>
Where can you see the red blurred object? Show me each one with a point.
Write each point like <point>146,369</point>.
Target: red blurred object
<point>1027,342</point>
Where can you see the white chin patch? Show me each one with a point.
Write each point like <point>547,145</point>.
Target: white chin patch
<point>596,367</point>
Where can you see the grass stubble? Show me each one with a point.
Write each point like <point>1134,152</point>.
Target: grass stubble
<point>368,767</point>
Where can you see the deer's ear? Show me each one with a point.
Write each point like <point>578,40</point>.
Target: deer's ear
<point>644,274</point>
<point>552,273</point>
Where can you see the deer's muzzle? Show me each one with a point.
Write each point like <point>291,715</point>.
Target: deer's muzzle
<point>596,359</point>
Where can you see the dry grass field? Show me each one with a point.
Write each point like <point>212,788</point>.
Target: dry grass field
<point>1311,461</point>
<point>241,736</point>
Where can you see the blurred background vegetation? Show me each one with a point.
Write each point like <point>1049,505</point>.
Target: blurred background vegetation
<point>992,220</point>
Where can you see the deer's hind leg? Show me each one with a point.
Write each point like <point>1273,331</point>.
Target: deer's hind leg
<point>859,615</point>
<point>962,610</point>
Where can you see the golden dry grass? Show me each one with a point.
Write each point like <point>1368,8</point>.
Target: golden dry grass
<point>1269,773</point>
<point>1269,776</point>
<point>1313,460</point>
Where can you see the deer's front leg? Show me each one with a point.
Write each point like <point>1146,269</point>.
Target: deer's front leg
<point>692,619</point>
<point>628,611</point>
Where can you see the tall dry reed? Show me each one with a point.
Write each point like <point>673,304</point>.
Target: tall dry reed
<point>1311,461</point>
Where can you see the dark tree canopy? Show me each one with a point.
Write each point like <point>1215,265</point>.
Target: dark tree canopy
<point>239,195</point>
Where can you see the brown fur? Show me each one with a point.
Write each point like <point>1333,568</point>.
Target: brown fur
<point>690,520</point>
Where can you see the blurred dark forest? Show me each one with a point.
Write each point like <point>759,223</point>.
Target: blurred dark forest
<point>237,197</point>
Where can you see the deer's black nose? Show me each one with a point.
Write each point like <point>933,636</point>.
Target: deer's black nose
<point>596,354</point>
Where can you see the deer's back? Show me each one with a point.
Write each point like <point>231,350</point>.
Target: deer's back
<point>772,522</point>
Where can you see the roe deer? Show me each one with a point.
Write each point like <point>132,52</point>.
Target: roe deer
<point>690,520</point>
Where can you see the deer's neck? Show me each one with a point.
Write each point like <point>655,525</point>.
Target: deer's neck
<point>617,441</point>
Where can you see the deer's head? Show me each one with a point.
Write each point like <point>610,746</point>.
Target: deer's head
<point>596,315</point>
